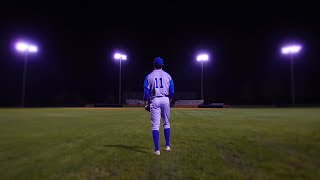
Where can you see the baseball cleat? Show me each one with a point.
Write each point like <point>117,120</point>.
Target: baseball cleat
<point>156,153</point>
<point>168,148</point>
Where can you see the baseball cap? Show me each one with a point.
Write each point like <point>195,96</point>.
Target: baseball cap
<point>158,61</point>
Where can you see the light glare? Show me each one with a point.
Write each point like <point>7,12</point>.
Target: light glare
<point>22,47</point>
<point>33,48</point>
<point>203,57</point>
<point>120,56</point>
<point>292,49</point>
<point>26,47</point>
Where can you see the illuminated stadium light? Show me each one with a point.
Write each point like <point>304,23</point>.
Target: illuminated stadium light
<point>120,57</point>
<point>33,49</point>
<point>202,57</point>
<point>291,49</point>
<point>26,47</point>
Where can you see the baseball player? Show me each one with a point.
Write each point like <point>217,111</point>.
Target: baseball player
<point>158,92</point>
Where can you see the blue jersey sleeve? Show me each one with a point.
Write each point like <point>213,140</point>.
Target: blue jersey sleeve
<point>146,92</point>
<point>171,89</point>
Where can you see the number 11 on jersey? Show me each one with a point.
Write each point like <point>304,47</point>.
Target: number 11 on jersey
<point>157,82</point>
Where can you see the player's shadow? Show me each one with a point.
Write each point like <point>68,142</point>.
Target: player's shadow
<point>130,148</point>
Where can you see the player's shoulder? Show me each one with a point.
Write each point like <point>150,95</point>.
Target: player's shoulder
<point>156,72</point>
<point>167,74</point>
<point>149,75</point>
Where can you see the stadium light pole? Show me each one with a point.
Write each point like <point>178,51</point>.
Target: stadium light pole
<point>25,48</point>
<point>201,58</point>
<point>120,57</point>
<point>291,50</point>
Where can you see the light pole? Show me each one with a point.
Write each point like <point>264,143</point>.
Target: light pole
<point>26,49</point>
<point>201,58</point>
<point>120,57</point>
<point>291,50</point>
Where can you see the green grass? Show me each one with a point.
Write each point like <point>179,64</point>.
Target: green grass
<point>67,143</point>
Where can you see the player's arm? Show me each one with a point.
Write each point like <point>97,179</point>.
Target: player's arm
<point>146,92</point>
<point>171,89</point>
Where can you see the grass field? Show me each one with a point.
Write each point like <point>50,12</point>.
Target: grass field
<point>75,143</point>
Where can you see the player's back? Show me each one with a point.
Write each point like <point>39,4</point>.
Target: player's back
<point>159,83</point>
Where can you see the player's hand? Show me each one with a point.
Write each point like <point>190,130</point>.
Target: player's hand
<point>147,107</point>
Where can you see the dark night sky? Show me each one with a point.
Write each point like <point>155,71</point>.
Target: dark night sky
<point>77,42</point>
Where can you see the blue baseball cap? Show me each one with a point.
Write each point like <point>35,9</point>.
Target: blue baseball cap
<point>158,61</point>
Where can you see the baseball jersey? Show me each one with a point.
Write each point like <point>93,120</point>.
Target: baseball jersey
<point>158,84</point>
